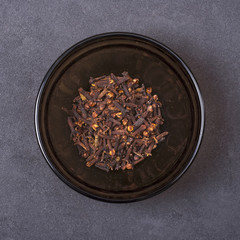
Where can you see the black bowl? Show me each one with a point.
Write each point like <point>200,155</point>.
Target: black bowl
<point>156,66</point>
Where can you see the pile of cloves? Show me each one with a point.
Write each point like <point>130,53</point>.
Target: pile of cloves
<point>117,124</point>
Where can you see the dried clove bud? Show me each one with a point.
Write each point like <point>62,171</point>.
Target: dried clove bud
<point>149,90</point>
<point>130,128</point>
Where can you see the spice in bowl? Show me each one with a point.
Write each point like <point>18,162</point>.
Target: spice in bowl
<point>117,124</point>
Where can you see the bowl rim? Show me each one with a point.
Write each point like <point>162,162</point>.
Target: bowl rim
<point>120,34</point>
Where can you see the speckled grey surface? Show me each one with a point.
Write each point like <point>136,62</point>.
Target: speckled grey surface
<point>35,204</point>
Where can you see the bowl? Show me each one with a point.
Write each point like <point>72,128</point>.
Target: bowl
<point>156,66</point>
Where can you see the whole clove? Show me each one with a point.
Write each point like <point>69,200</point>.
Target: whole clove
<point>117,124</point>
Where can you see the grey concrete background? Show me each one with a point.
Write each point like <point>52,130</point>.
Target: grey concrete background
<point>35,204</point>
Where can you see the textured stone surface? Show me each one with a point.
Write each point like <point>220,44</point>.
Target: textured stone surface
<point>35,204</point>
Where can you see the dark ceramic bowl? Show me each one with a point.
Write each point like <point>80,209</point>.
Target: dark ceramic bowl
<point>156,66</point>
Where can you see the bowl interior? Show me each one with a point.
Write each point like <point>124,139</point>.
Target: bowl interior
<point>156,67</point>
